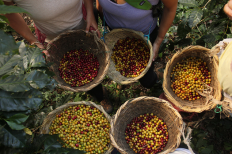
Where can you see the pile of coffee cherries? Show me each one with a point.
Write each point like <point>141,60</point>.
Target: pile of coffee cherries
<point>147,134</point>
<point>78,67</point>
<point>82,127</point>
<point>130,56</point>
<point>188,76</point>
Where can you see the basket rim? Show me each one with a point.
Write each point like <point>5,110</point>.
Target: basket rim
<point>167,93</point>
<point>64,106</point>
<point>134,79</point>
<point>156,100</point>
<point>107,57</point>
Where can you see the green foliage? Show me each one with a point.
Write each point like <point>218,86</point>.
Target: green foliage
<point>23,77</point>
<point>213,136</point>
<point>200,22</point>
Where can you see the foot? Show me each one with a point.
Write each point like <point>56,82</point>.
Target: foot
<point>106,103</point>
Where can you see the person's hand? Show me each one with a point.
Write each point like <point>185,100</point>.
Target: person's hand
<point>228,9</point>
<point>92,24</point>
<point>156,47</point>
<point>39,45</point>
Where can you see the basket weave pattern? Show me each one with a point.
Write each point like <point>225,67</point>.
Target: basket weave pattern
<point>135,107</point>
<point>111,39</point>
<point>74,40</point>
<point>198,105</point>
<point>52,115</point>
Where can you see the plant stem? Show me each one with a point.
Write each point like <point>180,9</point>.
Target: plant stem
<point>206,4</point>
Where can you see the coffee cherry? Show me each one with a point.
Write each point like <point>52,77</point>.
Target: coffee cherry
<point>147,134</point>
<point>188,76</point>
<point>78,67</point>
<point>81,130</point>
<point>130,56</point>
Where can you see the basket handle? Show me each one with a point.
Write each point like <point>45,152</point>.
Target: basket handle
<point>187,138</point>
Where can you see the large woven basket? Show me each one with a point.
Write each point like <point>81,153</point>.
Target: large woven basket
<point>141,105</point>
<point>201,104</point>
<point>78,39</point>
<point>112,38</point>
<point>52,115</point>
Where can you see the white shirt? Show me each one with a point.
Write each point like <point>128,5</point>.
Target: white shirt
<point>52,17</point>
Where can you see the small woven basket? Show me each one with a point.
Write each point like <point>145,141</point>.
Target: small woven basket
<point>142,105</point>
<point>52,115</point>
<point>78,39</point>
<point>201,104</point>
<point>111,39</point>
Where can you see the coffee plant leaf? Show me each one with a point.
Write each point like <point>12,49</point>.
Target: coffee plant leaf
<point>37,79</point>
<point>4,19</point>
<point>183,30</point>
<point>12,138</point>
<point>4,9</point>
<point>34,58</point>
<point>217,8</point>
<point>195,17</point>
<point>201,142</point>
<point>229,35</point>
<point>15,126</point>
<point>207,149</point>
<point>209,38</point>
<point>21,101</point>
<point>18,118</point>
<point>52,84</point>
<point>184,42</point>
<point>7,63</point>
<point>7,44</point>
<point>15,83</point>
<point>10,114</point>
<point>190,3</point>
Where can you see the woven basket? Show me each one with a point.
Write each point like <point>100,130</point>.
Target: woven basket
<point>201,104</point>
<point>141,105</point>
<point>112,38</point>
<point>78,39</point>
<point>52,115</point>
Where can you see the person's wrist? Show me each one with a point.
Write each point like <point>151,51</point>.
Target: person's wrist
<point>36,42</point>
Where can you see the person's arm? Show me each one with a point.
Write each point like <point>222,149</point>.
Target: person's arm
<point>99,8</point>
<point>228,9</point>
<point>20,26</point>
<point>169,12</point>
<point>90,19</point>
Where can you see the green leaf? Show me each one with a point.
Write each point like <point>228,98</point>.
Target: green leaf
<point>229,35</point>
<point>52,84</point>
<point>183,30</point>
<point>37,79</point>
<point>190,3</point>
<point>1,2</point>
<point>7,63</point>
<point>227,146</point>
<point>3,18</point>
<point>140,4</point>
<point>15,126</point>
<point>18,118</point>
<point>15,83</point>
<point>208,38</point>
<point>11,9</point>
<point>184,42</point>
<point>7,43</point>
<point>195,17</point>
<point>201,142</point>
<point>217,8</point>
<point>207,150</point>
<point>12,138</point>
<point>35,57</point>
<point>22,101</point>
